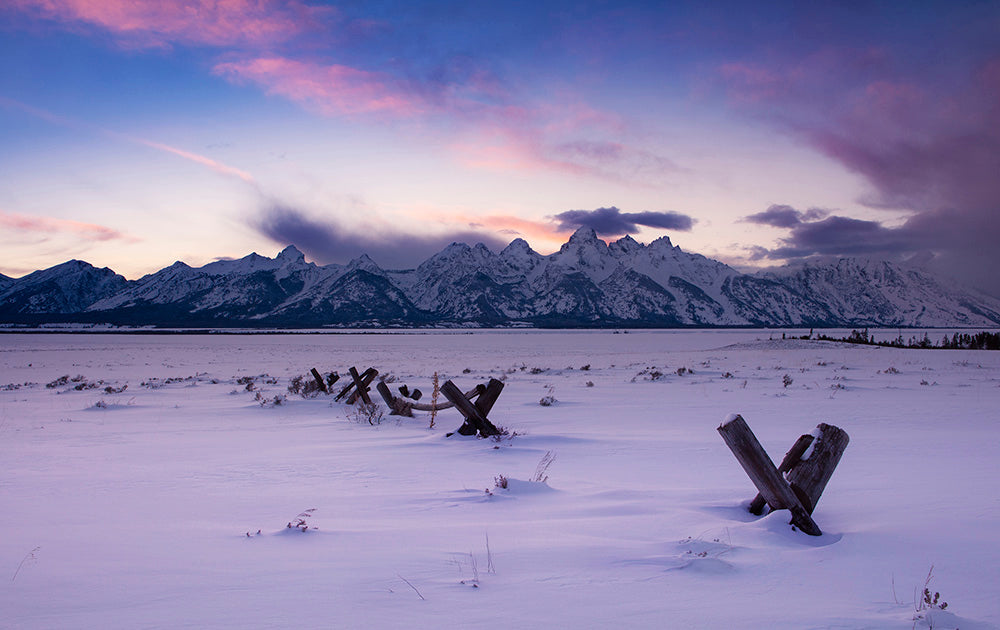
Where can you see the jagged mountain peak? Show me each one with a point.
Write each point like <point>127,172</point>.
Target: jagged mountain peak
<point>625,245</point>
<point>517,245</point>
<point>65,288</point>
<point>584,236</point>
<point>364,263</point>
<point>291,254</point>
<point>662,243</point>
<point>460,254</point>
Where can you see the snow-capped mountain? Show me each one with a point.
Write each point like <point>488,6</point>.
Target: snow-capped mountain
<point>63,289</point>
<point>588,282</point>
<point>877,293</point>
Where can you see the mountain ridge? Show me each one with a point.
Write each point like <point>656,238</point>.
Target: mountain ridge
<point>586,283</point>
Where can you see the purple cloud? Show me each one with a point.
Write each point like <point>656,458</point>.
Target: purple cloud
<point>785,216</point>
<point>325,241</point>
<point>919,121</point>
<point>612,221</point>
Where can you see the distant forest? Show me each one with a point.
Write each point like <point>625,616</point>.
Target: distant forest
<point>959,341</point>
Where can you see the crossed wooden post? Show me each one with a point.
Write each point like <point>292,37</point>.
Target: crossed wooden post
<point>360,384</point>
<point>807,467</point>
<point>475,413</point>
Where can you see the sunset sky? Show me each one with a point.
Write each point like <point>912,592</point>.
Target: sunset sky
<point>135,133</point>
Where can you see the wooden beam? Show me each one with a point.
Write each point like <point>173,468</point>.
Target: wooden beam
<point>350,385</point>
<point>474,420</point>
<point>808,478</point>
<point>319,381</point>
<point>489,397</point>
<point>361,384</point>
<point>759,467</point>
<point>791,458</point>
<point>398,406</point>
<point>469,395</point>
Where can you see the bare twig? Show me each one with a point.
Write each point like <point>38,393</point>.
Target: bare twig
<point>411,586</point>
<point>28,556</point>
<point>489,556</point>
<point>543,467</point>
<point>434,400</point>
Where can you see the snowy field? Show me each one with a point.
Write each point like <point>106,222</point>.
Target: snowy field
<point>165,505</point>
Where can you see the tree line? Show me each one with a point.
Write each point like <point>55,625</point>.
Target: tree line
<point>959,341</point>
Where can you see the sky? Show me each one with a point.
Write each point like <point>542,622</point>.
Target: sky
<point>135,134</point>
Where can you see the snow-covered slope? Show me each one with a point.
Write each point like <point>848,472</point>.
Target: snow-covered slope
<point>66,288</point>
<point>586,283</point>
<point>224,290</point>
<point>859,291</point>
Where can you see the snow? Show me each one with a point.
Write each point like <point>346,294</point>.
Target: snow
<point>816,434</point>
<point>145,511</point>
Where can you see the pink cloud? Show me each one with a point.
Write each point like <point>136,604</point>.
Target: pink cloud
<point>56,119</point>
<point>218,167</point>
<point>49,225</point>
<point>528,148</point>
<point>491,132</point>
<point>330,89</point>
<point>207,22</point>
<point>546,232</point>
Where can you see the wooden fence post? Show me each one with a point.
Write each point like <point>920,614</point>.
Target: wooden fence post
<point>474,419</point>
<point>370,371</point>
<point>361,384</point>
<point>319,381</point>
<point>489,396</point>
<point>791,458</point>
<point>759,467</point>
<point>398,406</point>
<point>808,477</point>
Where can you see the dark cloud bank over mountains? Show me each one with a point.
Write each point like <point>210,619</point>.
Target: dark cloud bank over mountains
<point>960,244</point>
<point>923,134</point>
<point>326,242</point>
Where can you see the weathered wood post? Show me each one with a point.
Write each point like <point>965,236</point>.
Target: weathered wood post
<point>475,420</point>
<point>319,381</point>
<point>331,378</point>
<point>759,467</point>
<point>361,385</point>
<point>791,458</point>
<point>489,396</point>
<point>372,372</point>
<point>397,406</point>
<point>811,472</point>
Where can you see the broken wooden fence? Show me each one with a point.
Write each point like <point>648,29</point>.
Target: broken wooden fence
<point>807,468</point>
<point>475,414</point>
<point>360,384</point>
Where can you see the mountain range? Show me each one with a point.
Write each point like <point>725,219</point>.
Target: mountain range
<point>587,283</point>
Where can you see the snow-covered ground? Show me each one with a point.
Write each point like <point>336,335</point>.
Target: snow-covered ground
<point>165,505</point>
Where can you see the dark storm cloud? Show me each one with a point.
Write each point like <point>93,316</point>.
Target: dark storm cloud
<point>784,216</point>
<point>612,221</point>
<point>843,236</point>
<point>326,242</point>
<point>917,119</point>
<point>935,236</point>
